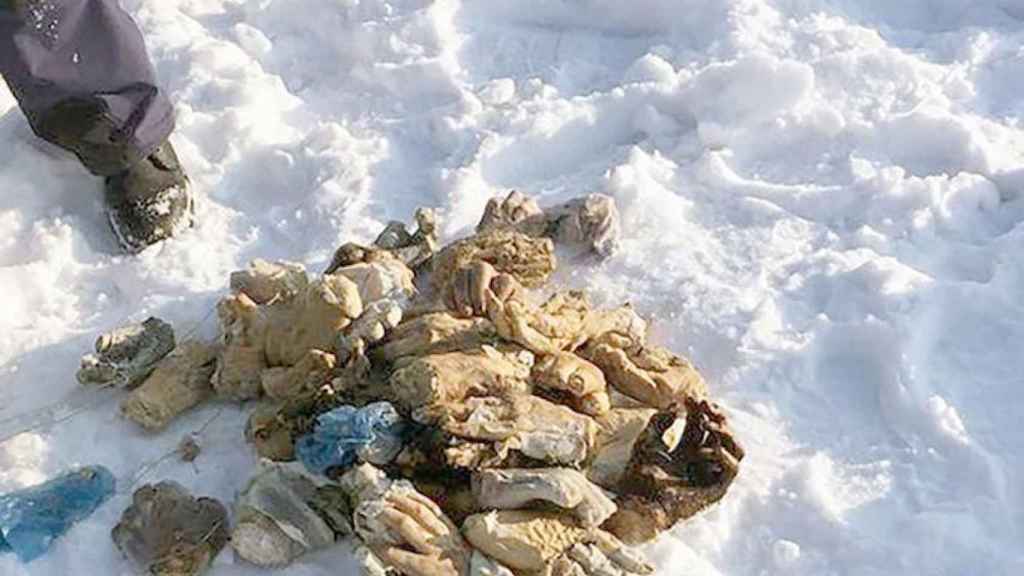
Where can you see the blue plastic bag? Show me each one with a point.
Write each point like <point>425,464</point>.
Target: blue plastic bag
<point>32,518</point>
<point>374,433</point>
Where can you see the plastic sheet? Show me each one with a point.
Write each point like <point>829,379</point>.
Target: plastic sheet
<point>374,433</point>
<point>32,518</point>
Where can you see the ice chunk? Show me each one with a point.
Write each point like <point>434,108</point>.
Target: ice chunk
<point>31,519</point>
<point>374,433</point>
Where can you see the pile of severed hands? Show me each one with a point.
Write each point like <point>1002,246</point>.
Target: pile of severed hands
<point>524,436</point>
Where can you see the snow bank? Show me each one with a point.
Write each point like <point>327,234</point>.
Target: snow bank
<point>821,202</point>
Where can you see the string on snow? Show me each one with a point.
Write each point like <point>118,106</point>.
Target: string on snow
<point>77,402</point>
<point>183,451</point>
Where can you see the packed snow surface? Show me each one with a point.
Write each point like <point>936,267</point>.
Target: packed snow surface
<point>822,205</point>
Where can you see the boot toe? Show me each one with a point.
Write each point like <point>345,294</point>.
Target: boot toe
<point>144,222</point>
<point>150,202</point>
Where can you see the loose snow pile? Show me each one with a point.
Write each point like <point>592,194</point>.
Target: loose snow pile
<point>821,205</point>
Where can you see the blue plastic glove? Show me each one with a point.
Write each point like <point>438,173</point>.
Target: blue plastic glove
<point>374,433</point>
<point>32,518</point>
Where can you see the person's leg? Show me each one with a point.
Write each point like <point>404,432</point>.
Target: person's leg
<point>80,73</point>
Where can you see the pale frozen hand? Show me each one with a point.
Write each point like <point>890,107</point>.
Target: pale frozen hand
<point>649,374</point>
<point>583,382</point>
<point>377,320</point>
<point>566,488</point>
<point>478,289</point>
<point>515,210</point>
<point>264,281</point>
<point>529,260</point>
<point>591,222</point>
<point>405,529</point>
<point>430,385</point>
<point>180,381</point>
<point>599,555</point>
<point>435,333</point>
<point>551,544</point>
<point>527,424</point>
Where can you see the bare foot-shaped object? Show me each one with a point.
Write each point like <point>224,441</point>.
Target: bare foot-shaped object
<point>663,485</point>
<point>126,356</point>
<point>167,532</point>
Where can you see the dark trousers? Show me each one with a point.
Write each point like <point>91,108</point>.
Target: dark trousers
<point>81,75</point>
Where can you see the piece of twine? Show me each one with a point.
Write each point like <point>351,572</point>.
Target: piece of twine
<point>128,482</point>
<point>76,403</point>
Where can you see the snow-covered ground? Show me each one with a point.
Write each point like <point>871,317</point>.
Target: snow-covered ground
<point>822,204</point>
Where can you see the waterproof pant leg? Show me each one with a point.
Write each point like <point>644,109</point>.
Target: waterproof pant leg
<point>81,75</point>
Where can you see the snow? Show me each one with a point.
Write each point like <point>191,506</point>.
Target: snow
<point>822,205</point>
